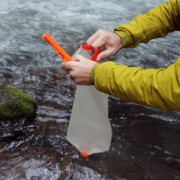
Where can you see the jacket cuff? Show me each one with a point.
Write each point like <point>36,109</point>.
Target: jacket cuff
<point>127,39</point>
<point>92,73</point>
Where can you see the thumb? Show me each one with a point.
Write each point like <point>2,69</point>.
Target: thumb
<point>76,57</point>
<point>81,58</point>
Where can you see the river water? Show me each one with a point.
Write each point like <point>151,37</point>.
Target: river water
<point>146,141</point>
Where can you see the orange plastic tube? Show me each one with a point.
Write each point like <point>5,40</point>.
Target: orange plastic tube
<point>63,55</point>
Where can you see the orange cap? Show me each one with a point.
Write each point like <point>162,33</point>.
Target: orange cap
<point>84,154</point>
<point>63,55</point>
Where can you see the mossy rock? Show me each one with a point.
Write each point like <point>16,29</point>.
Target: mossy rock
<point>17,112</point>
<point>14,104</point>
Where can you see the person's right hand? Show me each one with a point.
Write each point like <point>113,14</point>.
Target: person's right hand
<point>111,41</point>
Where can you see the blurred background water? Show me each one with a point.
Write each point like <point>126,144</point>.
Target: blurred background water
<point>146,141</point>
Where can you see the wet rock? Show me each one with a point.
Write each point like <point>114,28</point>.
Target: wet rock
<point>17,110</point>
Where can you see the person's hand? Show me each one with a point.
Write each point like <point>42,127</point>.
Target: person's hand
<point>79,69</point>
<point>111,42</point>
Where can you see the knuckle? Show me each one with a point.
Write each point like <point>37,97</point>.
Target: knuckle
<point>88,41</point>
<point>69,66</point>
<point>62,65</point>
<point>103,56</point>
<point>72,73</point>
<point>99,30</point>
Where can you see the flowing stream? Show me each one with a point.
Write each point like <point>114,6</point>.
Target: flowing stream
<point>146,141</point>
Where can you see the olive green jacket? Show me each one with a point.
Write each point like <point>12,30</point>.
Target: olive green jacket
<point>158,88</point>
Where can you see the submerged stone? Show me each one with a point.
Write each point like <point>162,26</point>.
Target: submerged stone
<point>17,109</point>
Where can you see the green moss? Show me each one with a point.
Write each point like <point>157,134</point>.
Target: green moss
<point>16,104</point>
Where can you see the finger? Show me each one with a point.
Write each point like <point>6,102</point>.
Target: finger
<point>98,43</point>
<point>106,46</point>
<point>104,54</point>
<point>92,38</point>
<point>70,73</point>
<point>81,81</point>
<point>66,66</point>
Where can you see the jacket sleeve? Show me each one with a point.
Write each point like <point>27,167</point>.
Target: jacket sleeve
<point>158,88</point>
<point>156,23</point>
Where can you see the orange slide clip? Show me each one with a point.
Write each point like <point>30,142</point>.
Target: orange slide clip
<point>62,54</point>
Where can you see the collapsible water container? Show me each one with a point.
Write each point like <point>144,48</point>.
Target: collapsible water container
<point>89,127</point>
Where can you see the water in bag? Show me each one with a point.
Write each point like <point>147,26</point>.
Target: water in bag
<point>89,128</point>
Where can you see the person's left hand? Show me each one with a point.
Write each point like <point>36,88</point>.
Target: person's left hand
<point>79,69</point>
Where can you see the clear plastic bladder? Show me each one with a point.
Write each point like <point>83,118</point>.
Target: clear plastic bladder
<point>89,127</point>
